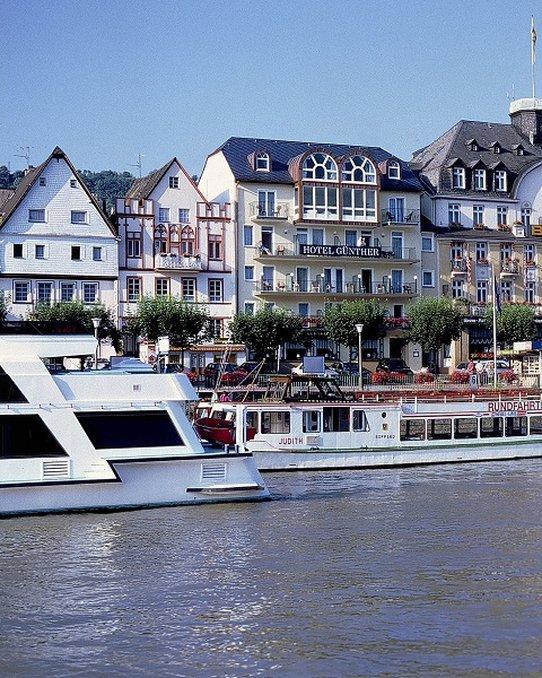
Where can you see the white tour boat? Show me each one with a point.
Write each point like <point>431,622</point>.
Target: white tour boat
<point>104,439</point>
<point>306,422</point>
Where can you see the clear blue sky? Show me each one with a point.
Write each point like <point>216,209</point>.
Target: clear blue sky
<point>107,79</point>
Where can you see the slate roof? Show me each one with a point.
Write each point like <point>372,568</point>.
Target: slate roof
<point>433,162</point>
<point>237,150</point>
<point>5,195</point>
<point>7,209</point>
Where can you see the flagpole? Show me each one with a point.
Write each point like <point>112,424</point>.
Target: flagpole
<point>494,318</point>
<point>533,56</point>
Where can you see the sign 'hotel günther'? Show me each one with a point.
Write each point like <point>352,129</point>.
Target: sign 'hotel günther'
<point>361,251</point>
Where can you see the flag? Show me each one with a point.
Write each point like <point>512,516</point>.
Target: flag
<point>469,268</point>
<point>533,40</point>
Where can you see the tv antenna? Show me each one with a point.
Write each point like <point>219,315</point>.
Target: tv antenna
<point>138,164</point>
<point>25,153</point>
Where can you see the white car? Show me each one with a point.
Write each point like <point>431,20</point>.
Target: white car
<point>487,365</point>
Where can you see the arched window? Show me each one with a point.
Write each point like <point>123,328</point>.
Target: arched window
<point>262,162</point>
<point>359,169</point>
<point>320,167</point>
<point>188,241</point>
<point>160,239</point>
<point>394,170</point>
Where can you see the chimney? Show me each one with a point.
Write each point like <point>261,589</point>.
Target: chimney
<point>526,116</point>
<point>28,169</point>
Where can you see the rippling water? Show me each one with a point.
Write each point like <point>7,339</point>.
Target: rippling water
<point>433,570</point>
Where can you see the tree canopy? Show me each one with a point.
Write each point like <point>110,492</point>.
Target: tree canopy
<point>77,312</point>
<point>10,179</point>
<point>340,321</point>
<point>167,316</point>
<point>514,323</point>
<point>107,184</point>
<point>264,331</point>
<point>434,322</point>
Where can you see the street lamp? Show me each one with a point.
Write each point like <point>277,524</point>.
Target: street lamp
<point>359,328</point>
<point>415,284</point>
<point>96,325</point>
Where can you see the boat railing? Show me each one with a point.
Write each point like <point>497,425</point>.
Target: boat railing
<point>113,406</point>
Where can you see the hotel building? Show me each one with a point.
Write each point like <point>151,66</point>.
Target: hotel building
<point>483,205</point>
<point>317,224</point>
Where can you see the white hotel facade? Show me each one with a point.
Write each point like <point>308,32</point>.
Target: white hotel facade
<point>317,224</point>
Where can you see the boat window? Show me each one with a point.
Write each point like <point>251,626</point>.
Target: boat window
<point>9,391</point>
<point>312,421</point>
<point>252,419</point>
<point>412,429</point>
<point>275,422</point>
<point>218,414</point>
<point>466,427</point>
<point>26,435</point>
<point>336,419</point>
<point>439,429</point>
<point>491,427</point>
<point>515,426</point>
<point>535,423</point>
<point>113,430</point>
<point>359,421</point>
<point>230,416</point>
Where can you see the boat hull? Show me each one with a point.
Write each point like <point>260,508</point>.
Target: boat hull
<point>142,483</point>
<point>313,460</point>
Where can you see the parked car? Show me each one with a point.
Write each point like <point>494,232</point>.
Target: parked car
<point>396,365</point>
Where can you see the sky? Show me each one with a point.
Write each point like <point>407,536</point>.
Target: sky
<point>109,79</point>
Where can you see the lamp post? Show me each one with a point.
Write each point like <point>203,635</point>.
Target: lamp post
<point>359,328</point>
<point>416,285</point>
<point>96,325</point>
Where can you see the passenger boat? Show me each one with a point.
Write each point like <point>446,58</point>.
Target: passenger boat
<point>103,439</point>
<point>307,422</point>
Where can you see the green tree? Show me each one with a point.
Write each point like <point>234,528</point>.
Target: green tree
<point>434,322</point>
<point>166,316</point>
<point>107,184</point>
<point>514,323</point>
<point>77,312</point>
<point>340,321</point>
<point>266,330</point>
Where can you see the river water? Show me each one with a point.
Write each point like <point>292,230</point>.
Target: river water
<point>421,571</point>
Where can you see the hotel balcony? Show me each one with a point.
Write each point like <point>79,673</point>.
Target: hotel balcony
<point>176,262</point>
<point>288,286</point>
<point>402,217</point>
<point>338,253</point>
<point>509,268</point>
<point>278,210</point>
<point>213,210</point>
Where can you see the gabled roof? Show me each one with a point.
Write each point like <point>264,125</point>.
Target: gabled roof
<point>433,161</point>
<point>237,150</point>
<point>9,207</point>
<point>142,188</point>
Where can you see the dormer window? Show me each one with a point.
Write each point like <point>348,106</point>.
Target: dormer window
<point>479,179</point>
<point>496,147</point>
<point>394,170</point>
<point>458,177</point>
<point>174,182</point>
<point>262,162</point>
<point>520,150</point>
<point>500,180</point>
<point>472,145</point>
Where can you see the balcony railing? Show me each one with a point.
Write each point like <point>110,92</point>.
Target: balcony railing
<point>458,266</point>
<point>277,210</point>
<point>289,285</point>
<point>289,250</point>
<point>178,262</point>
<point>400,216</point>
<point>510,267</point>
